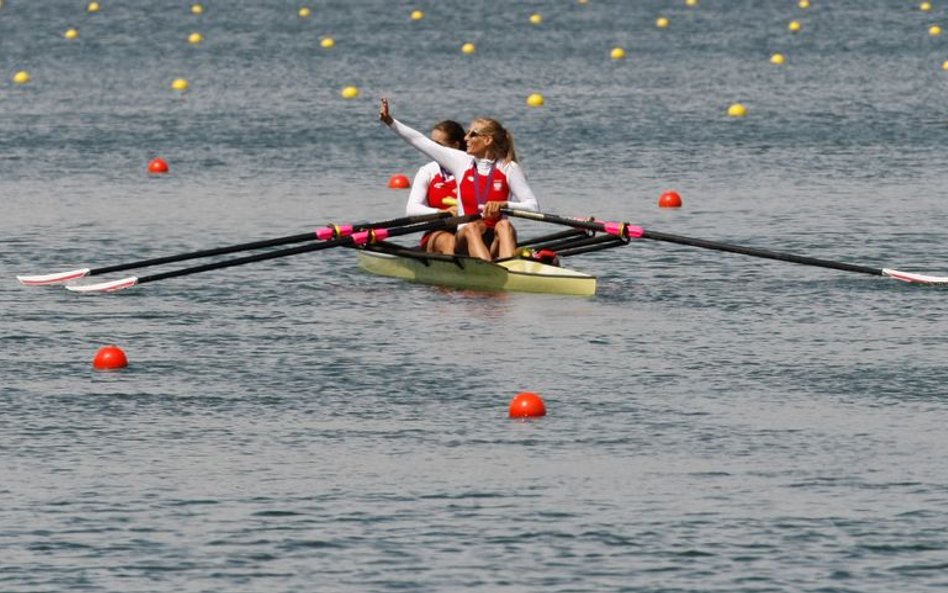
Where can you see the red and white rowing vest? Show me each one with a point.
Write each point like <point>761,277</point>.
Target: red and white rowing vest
<point>473,195</point>
<point>440,188</point>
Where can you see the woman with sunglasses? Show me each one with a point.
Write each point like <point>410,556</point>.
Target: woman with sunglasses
<point>433,184</point>
<point>490,178</point>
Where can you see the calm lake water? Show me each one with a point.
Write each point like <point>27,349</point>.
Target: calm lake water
<point>716,422</point>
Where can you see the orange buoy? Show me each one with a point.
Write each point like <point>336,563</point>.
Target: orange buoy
<point>399,181</point>
<point>527,404</point>
<point>109,358</point>
<point>669,199</point>
<point>157,165</point>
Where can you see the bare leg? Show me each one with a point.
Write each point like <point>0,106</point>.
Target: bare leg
<point>471,238</point>
<point>441,242</point>
<point>505,240</point>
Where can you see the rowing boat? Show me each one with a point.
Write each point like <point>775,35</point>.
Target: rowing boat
<point>456,271</point>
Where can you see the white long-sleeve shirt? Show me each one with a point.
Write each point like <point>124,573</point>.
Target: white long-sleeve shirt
<point>459,163</point>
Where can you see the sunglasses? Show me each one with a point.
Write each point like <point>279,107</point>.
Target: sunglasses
<point>473,134</point>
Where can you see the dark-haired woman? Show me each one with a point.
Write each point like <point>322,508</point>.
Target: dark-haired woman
<point>433,185</point>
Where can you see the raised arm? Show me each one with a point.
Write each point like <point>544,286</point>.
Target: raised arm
<point>456,161</point>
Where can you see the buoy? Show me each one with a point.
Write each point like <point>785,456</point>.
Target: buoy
<point>350,92</point>
<point>794,26</point>
<point>804,4</point>
<point>944,65</point>
<point>536,18</point>
<point>468,48</point>
<point>925,6</point>
<point>180,84</point>
<point>328,42</point>
<point>157,165</point>
<point>93,7</point>
<point>535,100</point>
<point>737,110</point>
<point>22,77</point>
<point>777,58</point>
<point>691,3</point>
<point>109,358</point>
<point>195,38</point>
<point>661,22</point>
<point>197,9</point>
<point>399,181</point>
<point>527,404</point>
<point>305,12</point>
<point>583,1</point>
<point>934,30</point>
<point>669,199</point>
<point>617,53</point>
<point>417,15</point>
<point>71,34</point>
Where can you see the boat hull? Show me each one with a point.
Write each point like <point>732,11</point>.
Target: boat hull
<point>519,275</point>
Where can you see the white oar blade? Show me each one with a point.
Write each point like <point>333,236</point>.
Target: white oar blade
<point>57,278</point>
<point>910,277</point>
<point>111,286</point>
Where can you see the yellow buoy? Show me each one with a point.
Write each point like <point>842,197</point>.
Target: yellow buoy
<point>350,92</point>
<point>328,42</point>
<point>417,15</point>
<point>617,53</point>
<point>195,38</point>
<point>934,30</point>
<point>535,100</point>
<point>22,77</point>
<point>468,48</point>
<point>777,58</point>
<point>737,110</point>
<point>691,2</point>
<point>794,26</point>
<point>71,34</point>
<point>305,12</point>
<point>536,18</point>
<point>944,66</point>
<point>804,4</point>
<point>925,6</point>
<point>197,9</point>
<point>661,22</point>
<point>93,7</point>
<point>583,1</point>
<point>179,84</point>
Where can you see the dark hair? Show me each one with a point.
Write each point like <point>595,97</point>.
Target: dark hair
<point>454,131</point>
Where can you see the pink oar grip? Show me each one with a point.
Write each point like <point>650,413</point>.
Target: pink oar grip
<point>369,236</point>
<point>623,230</point>
<point>333,231</point>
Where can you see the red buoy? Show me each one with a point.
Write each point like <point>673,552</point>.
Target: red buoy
<point>527,405</point>
<point>669,199</point>
<point>399,181</point>
<point>157,165</point>
<point>109,358</point>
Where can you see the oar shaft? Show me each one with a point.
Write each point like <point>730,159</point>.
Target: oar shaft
<point>764,253</point>
<point>320,234</point>
<point>360,238</point>
<point>634,232</point>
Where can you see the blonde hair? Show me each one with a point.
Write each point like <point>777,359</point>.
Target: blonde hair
<point>503,145</point>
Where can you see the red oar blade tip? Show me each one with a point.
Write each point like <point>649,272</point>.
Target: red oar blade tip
<point>918,278</point>
<point>57,278</point>
<point>111,286</point>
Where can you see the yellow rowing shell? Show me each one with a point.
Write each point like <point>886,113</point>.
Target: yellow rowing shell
<point>519,275</point>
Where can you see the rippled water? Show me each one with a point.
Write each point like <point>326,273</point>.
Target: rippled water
<point>716,422</point>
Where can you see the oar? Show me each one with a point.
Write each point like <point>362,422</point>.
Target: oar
<point>330,231</point>
<point>623,229</point>
<point>358,238</point>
